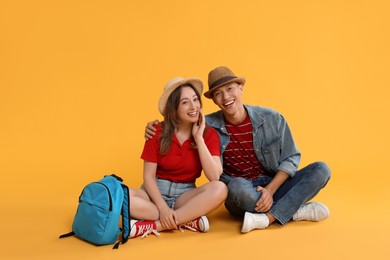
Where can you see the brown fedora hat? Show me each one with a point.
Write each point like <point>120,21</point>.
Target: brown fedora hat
<point>221,76</point>
<point>174,84</point>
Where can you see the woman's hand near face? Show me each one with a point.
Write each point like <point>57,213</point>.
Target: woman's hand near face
<point>198,128</point>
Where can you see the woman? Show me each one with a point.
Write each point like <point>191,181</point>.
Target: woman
<point>173,159</point>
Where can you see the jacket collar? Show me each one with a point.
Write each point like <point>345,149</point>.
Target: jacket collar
<point>256,118</point>
<point>217,120</point>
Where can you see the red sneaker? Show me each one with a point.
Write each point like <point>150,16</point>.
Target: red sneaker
<point>200,224</point>
<point>143,228</point>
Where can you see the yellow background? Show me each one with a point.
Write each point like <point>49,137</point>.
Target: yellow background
<point>80,79</point>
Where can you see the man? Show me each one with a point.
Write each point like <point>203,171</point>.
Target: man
<point>260,160</point>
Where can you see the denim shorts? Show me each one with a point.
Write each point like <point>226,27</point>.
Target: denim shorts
<point>171,191</point>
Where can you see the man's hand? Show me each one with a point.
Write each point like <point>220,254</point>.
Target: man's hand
<point>150,131</point>
<point>264,204</point>
<point>266,200</point>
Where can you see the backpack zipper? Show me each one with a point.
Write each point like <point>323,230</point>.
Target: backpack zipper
<point>108,191</point>
<point>109,194</point>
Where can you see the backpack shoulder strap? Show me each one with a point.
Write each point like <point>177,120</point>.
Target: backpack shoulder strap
<point>67,234</point>
<point>125,216</point>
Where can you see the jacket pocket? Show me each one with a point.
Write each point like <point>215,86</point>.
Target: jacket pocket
<point>272,153</point>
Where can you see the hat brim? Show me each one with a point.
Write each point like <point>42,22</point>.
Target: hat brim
<point>197,83</point>
<point>240,80</point>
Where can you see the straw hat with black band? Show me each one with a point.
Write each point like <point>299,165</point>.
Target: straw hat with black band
<point>221,76</point>
<point>174,84</point>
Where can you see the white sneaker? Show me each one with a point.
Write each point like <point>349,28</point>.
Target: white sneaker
<point>313,211</point>
<point>254,221</point>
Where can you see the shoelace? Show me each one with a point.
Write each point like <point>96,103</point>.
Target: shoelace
<point>183,226</point>
<point>148,232</point>
<point>305,212</point>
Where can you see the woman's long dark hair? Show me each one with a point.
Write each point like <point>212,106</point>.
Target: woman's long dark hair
<point>171,118</point>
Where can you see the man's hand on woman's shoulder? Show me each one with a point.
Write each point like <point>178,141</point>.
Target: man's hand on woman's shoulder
<point>150,130</point>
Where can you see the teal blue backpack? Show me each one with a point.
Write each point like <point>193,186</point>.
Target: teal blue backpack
<point>101,204</point>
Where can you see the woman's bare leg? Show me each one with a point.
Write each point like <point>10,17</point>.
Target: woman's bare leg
<point>141,207</point>
<point>200,201</point>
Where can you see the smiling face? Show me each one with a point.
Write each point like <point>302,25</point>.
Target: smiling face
<point>189,105</point>
<point>183,106</point>
<point>228,99</point>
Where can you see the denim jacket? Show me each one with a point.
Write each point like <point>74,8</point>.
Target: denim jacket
<point>272,139</point>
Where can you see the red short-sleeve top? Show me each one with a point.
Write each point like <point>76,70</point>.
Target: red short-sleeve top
<point>181,163</point>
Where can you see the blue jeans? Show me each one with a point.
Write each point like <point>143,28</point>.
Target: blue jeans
<point>171,191</point>
<point>292,194</point>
